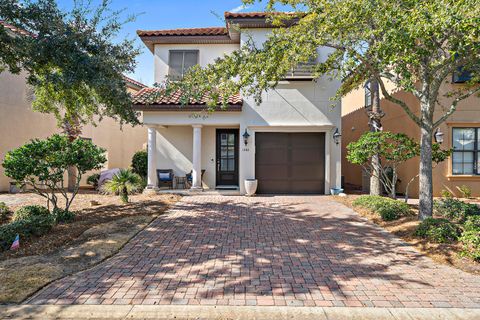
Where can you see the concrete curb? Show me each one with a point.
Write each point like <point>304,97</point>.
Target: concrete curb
<point>227,312</point>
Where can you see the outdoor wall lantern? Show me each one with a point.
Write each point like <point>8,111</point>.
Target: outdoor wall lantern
<point>438,136</point>
<point>336,136</point>
<point>245,137</point>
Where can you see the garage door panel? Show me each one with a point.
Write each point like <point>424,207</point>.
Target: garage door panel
<point>272,156</point>
<point>307,172</point>
<point>279,187</point>
<point>272,172</point>
<point>290,162</point>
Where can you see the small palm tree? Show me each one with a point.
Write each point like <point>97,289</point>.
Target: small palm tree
<point>124,183</point>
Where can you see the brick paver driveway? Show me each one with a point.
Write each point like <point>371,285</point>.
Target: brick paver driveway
<point>294,251</point>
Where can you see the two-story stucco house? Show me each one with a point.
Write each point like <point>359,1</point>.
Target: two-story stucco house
<point>286,143</point>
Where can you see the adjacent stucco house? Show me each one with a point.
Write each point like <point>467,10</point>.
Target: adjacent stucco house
<point>290,148</point>
<point>461,132</point>
<point>19,124</point>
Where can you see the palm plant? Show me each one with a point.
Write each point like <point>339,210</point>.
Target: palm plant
<point>124,183</point>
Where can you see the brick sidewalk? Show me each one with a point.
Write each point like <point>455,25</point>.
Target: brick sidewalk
<point>263,251</point>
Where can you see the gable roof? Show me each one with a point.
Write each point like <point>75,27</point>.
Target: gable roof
<point>16,30</point>
<point>132,83</point>
<point>155,99</point>
<point>209,31</point>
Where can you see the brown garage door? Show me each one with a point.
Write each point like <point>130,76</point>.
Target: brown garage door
<point>290,162</point>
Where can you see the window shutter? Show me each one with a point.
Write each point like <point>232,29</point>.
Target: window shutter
<point>191,59</point>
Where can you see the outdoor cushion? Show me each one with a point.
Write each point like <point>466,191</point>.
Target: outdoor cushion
<point>165,176</point>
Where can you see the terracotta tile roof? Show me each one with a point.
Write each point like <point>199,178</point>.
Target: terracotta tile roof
<point>210,31</point>
<point>156,99</point>
<point>255,14</point>
<point>15,29</point>
<point>134,82</point>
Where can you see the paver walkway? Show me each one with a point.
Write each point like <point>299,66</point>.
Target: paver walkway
<point>286,251</point>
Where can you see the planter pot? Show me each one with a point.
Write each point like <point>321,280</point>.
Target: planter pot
<point>251,186</point>
<point>336,191</point>
<point>14,188</point>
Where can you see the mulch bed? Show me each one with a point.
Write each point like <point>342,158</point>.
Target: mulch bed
<point>110,208</point>
<point>405,227</point>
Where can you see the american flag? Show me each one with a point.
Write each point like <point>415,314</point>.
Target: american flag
<point>16,243</point>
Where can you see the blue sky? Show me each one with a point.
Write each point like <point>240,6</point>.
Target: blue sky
<point>168,14</point>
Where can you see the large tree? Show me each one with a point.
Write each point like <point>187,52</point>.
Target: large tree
<point>411,45</point>
<point>74,60</point>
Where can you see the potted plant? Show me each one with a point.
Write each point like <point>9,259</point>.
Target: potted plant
<point>251,186</point>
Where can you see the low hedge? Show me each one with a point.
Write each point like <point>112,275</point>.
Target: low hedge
<point>388,209</point>
<point>63,216</point>
<point>438,230</point>
<point>471,238</point>
<point>35,225</point>
<point>27,212</point>
<point>455,210</point>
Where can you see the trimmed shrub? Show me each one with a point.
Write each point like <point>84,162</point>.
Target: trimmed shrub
<point>438,230</point>
<point>93,180</point>
<point>455,210</point>
<point>27,212</point>
<point>471,238</point>
<point>388,209</point>
<point>63,216</point>
<point>4,211</point>
<point>140,163</point>
<point>35,225</point>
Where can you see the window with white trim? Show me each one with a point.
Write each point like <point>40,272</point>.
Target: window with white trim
<point>466,152</point>
<point>179,61</point>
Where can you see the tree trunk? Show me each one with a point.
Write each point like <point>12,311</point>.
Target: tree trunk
<point>426,180</point>
<point>72,128</point>
<point>375,115</point>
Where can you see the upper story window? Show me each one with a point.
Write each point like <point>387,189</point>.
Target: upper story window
<point>461,76</point>
<point>179,61</point>
<point>466,151</point>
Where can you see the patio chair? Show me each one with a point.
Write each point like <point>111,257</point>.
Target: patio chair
<point>190,176</point>
<point>165,178</point>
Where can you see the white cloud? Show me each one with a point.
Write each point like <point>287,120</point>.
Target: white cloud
<point>239,8</point>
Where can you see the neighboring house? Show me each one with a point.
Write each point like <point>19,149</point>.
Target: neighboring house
<point>290,148</point>
<point>19,124</point>
<point>461,133</point>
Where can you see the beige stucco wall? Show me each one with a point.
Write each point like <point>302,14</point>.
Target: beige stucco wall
<point>19,124</point>
<point>396,120</point>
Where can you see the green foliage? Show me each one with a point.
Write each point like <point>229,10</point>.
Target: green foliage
<point>75,60</point>
<point>124,183</point>
<point>465,190</point>
<point>42,164</point>
<point>27,212</point>
<point>446,194</point>
<point>455,210</point>
<point>63,216</point>
<point>140,163</point>
<point>35,225</point>
<point>471,238</point>
<point>388,209</point>
<point>393,148</point>
<point>438,230</point>
<point>93,180</point>
<point>4,211</point>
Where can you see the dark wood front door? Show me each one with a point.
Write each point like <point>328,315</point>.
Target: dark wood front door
<point>290,162</point>
<point>227,157</point>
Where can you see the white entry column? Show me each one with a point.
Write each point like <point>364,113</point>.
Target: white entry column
<point>152,150</point>
<point>197,157</point>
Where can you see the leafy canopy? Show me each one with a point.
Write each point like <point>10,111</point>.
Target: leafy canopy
<point>42,165</point>
<point>73,60</point>
<point>406,44</point>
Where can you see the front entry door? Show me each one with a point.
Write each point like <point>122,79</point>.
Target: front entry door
<point>227,157</point>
